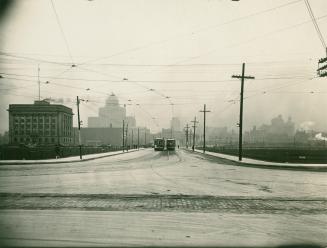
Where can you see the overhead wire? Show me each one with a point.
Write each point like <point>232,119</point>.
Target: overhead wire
<point>250,40</point>
<point>6,54</point>
<point>315,24</point>
<point>193,32</point>
<point>153,81</point>
<point>62,31</point>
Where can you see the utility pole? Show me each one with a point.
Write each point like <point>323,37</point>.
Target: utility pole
<point>126,137</point>
<point>240,124</point>
<point>79,129</point>
<point>138,138</point>
<point>144,137</point>
<point>186,134</point>
<point>123,135</point>
<point>194,126</point>
<point>132,138</point>
<point>38,80</point>
<point>204,111</point>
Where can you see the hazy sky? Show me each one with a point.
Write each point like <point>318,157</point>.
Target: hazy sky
<point>179,52</point>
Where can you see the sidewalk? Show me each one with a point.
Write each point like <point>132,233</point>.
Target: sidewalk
<point>263,164</point>
<point>73,159</point>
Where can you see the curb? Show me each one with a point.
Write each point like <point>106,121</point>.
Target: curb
<point>62,162</point>
<point>268,166</point>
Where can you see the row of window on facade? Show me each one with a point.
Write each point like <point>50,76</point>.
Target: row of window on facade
<point>51,140</point>
<point>24,119</point>
<point>40,129</point>
<point>34,126</point>
<point>41,119</point>
<point>39,132</point>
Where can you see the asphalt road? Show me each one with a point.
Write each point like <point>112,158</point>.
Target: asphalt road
<point>152,198</point>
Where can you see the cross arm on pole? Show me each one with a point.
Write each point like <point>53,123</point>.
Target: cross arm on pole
<point>240,77</point>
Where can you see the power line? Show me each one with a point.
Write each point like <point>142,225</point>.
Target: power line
<point>151,81</point>
<point>252,39</point>
<point>315,24</point>
<point>22,60</point>
<point>62,31</point>
<point>193,32</point>
<point>32,59</point>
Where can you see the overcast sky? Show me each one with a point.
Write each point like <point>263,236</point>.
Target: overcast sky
<point>165,58</point>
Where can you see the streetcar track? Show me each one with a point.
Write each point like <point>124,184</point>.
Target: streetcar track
<point>174,182</point>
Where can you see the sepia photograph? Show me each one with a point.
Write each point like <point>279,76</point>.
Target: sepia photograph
<point>163,123</point>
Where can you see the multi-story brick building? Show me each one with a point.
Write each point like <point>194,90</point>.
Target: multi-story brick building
<point>40,123</point>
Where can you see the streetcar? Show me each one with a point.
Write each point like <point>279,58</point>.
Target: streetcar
<point>171,144</point>
<point>159,144</point>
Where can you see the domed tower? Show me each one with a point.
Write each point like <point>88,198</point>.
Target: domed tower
<point>111,115</point>
<point>112,100</point>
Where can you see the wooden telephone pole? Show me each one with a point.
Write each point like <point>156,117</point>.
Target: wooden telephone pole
<point>79,129</point>
<point>194,127</point>
<point>123,135</point>
<point>204,111</point>
<point>240,124</point>
<point>186,135</point>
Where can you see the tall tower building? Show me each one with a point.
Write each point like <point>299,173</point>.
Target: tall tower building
<point>175,124</point>
<point>111,115</point>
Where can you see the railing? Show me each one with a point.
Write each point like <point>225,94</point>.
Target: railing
<point>278,154</point>
<point>51,151</point>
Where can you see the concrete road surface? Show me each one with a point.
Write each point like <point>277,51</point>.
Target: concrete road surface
<point>151,198</point>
